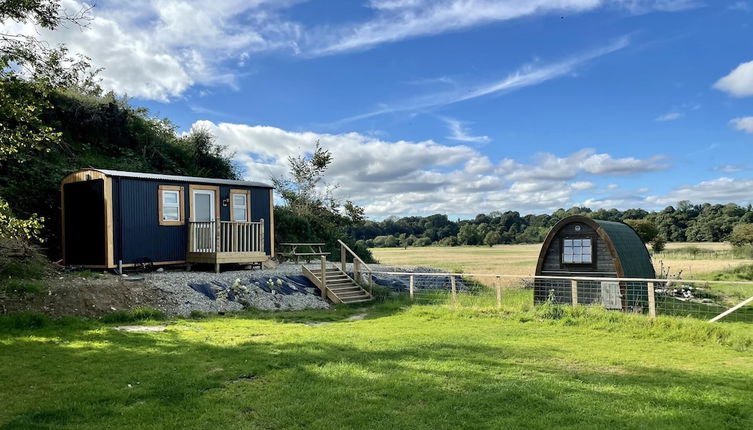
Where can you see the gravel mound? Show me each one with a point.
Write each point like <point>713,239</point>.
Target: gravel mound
<point>234,291</point>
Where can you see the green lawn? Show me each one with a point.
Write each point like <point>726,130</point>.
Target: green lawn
<point>418,367</point>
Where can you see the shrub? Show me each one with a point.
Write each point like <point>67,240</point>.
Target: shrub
<point>21,286</point>
<point>658,244</point>
<point>424,241</point>
<point>138,314</point>
<point>24,321</point>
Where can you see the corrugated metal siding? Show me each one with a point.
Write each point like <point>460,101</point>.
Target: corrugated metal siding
<point>260,209</point>
<point>137,223</point>
<point>141,235</point>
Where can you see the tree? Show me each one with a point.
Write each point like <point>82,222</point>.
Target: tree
<point>658,244</point>
<point>742,235</point>
<point>492,238</point>
<point>646,229</point>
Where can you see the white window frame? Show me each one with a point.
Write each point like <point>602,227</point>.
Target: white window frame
<point>574,250</point>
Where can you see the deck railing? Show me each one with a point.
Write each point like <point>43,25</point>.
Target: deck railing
<point>225,236</point>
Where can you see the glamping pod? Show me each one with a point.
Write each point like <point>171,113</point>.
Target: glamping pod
<point>578,246</point>
<point>113,218</point>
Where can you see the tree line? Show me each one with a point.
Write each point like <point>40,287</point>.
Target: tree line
<point>684,222</point>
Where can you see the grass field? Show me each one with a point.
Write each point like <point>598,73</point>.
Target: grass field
<point>419,367</point>
<point>521,259</point>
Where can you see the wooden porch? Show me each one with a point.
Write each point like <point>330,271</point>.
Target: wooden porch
<point>218,242</point>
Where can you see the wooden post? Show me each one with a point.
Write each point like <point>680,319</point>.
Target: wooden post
<point>356,269</point>
<point>574,288</point>
<point>371,285</point>
<point>410,287</point>
<point>498,286</point>
<point>217,243</point>
<point>324,277</point>
<point>343,260</point>
<point>262,248</point>
<point>651,301</point>
<point>454,291</point>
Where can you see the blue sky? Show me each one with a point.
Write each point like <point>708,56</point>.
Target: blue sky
<point>454,106</point>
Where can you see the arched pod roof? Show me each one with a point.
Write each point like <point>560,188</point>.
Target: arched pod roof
<point>631,258</point>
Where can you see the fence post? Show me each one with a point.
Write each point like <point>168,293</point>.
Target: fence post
<point>498,286</point>
<point>454,291</point>
<point>651,300</point>
<point>342,257</point>
<point>574,289</point>
<point>217,243</point>
<point>356,270</point>
<point>324,277</point>
<point>410,287</point>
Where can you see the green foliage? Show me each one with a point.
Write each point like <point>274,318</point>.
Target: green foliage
<point>658,244</point>
<point>21,286</point>
<point>742,234</point>
<point>24,321</point>
<point>310,212</point>
<point>12,228</point>
<point>705,223</point>
<point>492,238</point>
<point>646,229</point>
<point>136,315</point>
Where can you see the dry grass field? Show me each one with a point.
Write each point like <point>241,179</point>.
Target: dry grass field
<point>692,258</point>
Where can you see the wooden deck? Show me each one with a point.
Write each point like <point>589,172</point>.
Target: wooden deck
<point>218,242</point>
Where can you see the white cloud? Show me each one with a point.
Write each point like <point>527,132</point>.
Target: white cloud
<point>720,190</point>
<point>157,49</point>
<point>528,75</point>
<point>398,20</point>
<point>671,116</point>
<point>460,133</point>
<point>739,82</point>
<point>550,167</point>
<point>405,177</point>
<point>743,124</point>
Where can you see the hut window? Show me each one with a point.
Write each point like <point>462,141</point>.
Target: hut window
<point>239,205</point>
<point>576,251</point>
<point>170,205</point>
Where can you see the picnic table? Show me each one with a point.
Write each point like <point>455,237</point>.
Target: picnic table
<point>290,250</point>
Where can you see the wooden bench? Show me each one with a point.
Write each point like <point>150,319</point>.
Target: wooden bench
<point>290,250</point>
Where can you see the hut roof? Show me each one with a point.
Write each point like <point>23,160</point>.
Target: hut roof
<point>192,179</point>
<point>632,252</point>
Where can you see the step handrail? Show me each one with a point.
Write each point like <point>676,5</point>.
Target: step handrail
<point>357,263</point>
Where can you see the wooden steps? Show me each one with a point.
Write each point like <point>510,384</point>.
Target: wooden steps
<point>341,288</point>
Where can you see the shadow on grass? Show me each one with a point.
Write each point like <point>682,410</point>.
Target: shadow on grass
<point>206,375</point>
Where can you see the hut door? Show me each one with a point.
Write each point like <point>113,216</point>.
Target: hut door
<point>203,205</point>
<point>203,211</point>
<point>610,295</point>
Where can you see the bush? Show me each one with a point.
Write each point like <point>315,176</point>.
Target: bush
<point>138,314</point>
<point>24,321</point>
<point>424,241</point>
<point>658,244</point>
<point>21,286</point>
<point>449,241</point>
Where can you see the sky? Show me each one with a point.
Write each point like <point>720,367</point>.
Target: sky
<point>451,106</point>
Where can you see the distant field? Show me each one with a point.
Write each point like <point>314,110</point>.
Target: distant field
<point>692,258</point>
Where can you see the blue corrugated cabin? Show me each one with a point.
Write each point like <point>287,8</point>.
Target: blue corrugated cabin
<point>115,219</point>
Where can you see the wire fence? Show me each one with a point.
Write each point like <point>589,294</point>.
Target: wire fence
<point>723,301</point>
